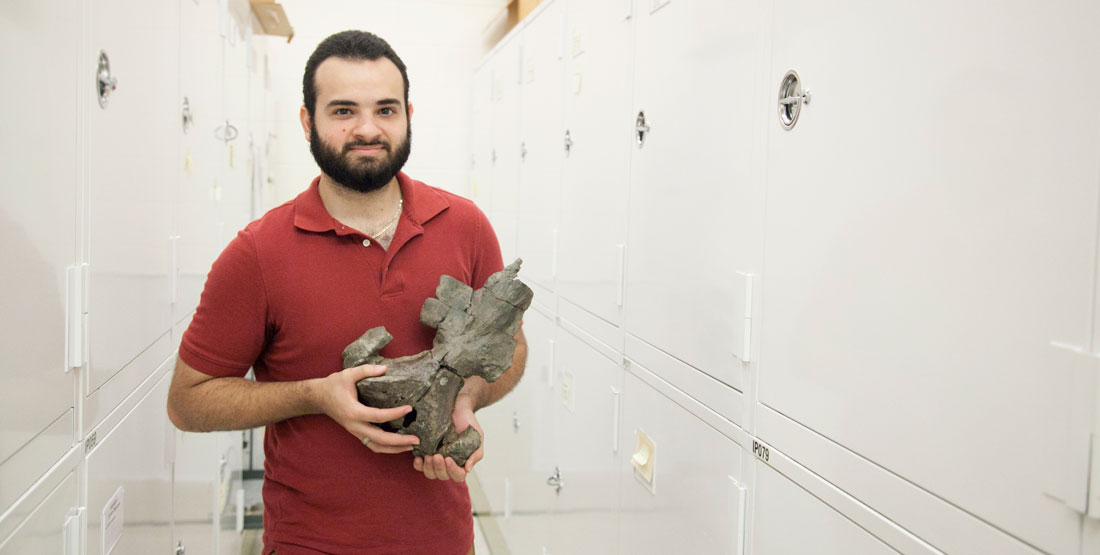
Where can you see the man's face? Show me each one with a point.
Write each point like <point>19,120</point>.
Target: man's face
<point>359,134</point>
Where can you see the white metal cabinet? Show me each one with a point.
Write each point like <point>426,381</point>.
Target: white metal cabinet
<point>200,157</point>
<point>693,504</point>
<point>788,519</point>
<point>695,203</point>
<point>541,149</point>
<point>505,154</point>
<point>195,491</point>
<point>481,174</point>
<point>520,445</point>
<point>129,477</point>
<point>235,178</point>
<point>598,117</point>
<point>131,172</point>
<point>39,219</point>
<point>47,527</point>
<point>923,252</point>
<point>587,448</point>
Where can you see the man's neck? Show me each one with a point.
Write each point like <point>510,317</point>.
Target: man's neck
<point>365,212</point>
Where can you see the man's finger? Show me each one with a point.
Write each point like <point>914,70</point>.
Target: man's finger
<point>474,458</point>
<point>368,371</point>
<point>439,466</point>
<point>388,449</point>
<point>454,471</point>
<point>418,464</point>
<point>385,415</point>
<point>388,439</point>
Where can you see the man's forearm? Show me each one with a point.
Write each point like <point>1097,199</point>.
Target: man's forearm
<point>238,404</point>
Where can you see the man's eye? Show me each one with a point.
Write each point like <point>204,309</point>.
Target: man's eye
<point>386,111</point>
<point>342,111</point>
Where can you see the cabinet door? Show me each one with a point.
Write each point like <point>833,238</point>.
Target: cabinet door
<point>44,530</point>
<point>788,519</point>
<point>505,154</point>
<point>541,149</point>
<point>692,504</point>
<point>695,202</point>
<point>523,459</point>
<point>129,479</point>
<point>201,158</point>
<point>481,174</point>
<point>586,448</point>
<point>925,253</point>
<point>39,220</point>
<point>131,169</point>
<point>235,177</point>
<point>597,89</point>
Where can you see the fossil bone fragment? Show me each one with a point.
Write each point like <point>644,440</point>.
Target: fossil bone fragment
<point>475,336</point>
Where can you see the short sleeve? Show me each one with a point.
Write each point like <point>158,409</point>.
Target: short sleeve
<point>487,257</point>
<point>227,333</point>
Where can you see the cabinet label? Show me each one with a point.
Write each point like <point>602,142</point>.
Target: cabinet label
<point>761,451</point>
<point>111,522</point>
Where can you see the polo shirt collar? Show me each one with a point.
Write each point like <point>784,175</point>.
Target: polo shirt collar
<point>422,203</point>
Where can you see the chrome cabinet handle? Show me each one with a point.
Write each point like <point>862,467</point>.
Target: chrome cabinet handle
<point>791,99</point>
<point>555,480</point>
<point>226,132</point>
<point>105,82</point>
<point>641,128</point>
<point>568,142</point>
<point>188,116</point>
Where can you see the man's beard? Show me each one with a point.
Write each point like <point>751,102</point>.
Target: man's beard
<point>364,175</point>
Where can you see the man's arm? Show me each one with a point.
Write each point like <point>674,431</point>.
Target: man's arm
<point>198,402</point>
<point>475,394</point>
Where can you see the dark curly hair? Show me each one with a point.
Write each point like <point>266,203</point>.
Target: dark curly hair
<point>350,45</point>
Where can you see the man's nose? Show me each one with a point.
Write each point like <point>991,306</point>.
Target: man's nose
<point>367,129</point>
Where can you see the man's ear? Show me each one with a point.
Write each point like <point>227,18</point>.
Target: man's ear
<point>303,114</point>
<point>410,110</point>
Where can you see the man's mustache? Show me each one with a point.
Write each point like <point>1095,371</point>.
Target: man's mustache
<point>383,144</point>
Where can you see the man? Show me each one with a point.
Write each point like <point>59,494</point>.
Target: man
<point>364,246</point>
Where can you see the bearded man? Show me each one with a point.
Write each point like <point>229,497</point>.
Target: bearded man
<point>363,246</point>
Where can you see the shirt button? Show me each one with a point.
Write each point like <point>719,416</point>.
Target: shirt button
<point>366,242</point>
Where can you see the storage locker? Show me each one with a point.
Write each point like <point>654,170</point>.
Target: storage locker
<point>587,448</point>
<point>695,201</point>
<point>200,158</point>
<point>52,524</point>
<point>693,504</point>
<point>541,149</point>
<point>930,263</point>
<point>40,221</point>
<point>236,137</point>
<point>481,174</point>
<point>520,445</point>
<point>597,99</point>
<point>788,519</point>
<point>505,154</point>
<point>129,476</point>
<point>131,171</point>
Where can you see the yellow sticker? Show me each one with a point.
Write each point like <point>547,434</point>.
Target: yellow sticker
<point>188,163</point>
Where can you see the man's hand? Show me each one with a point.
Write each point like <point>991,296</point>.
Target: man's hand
<point>337,397</point>
<point>436,467</point>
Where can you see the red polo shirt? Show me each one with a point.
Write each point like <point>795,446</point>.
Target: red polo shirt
<point>285,297</point>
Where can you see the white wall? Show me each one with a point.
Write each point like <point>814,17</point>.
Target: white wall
<point>440,43</point>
